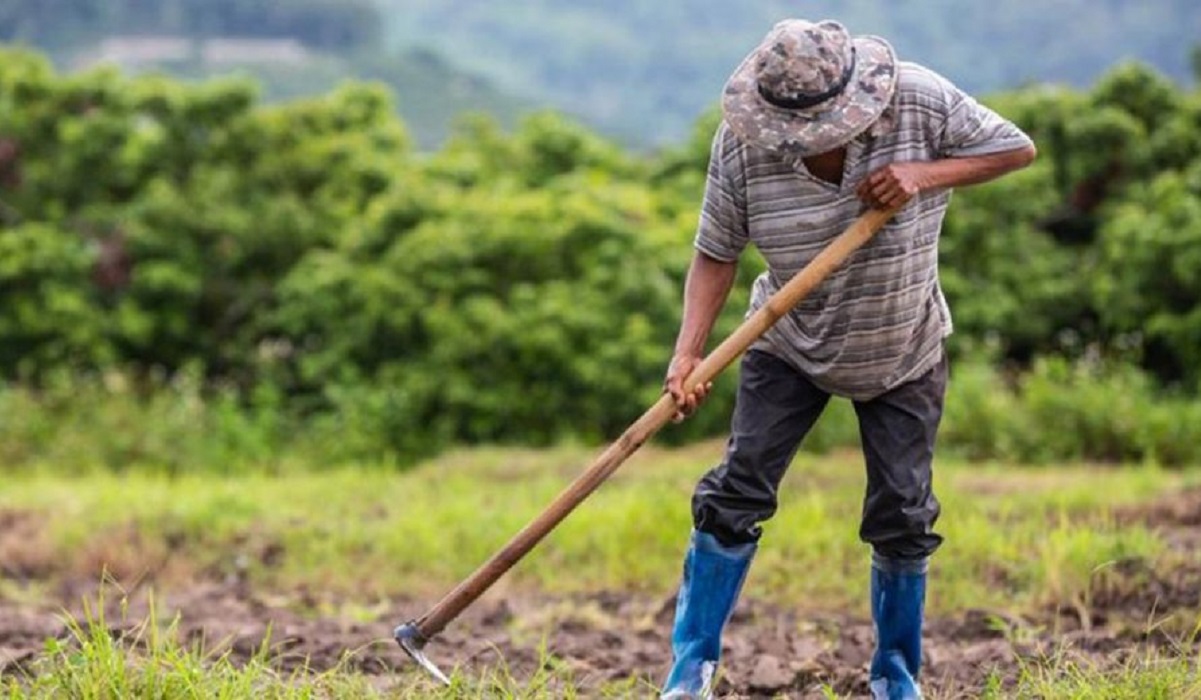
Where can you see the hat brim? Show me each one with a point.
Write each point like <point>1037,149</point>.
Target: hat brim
<point>807,132</point>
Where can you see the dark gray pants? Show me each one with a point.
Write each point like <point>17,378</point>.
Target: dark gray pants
<point>775,409</point>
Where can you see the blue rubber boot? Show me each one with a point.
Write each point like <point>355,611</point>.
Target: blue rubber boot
<point>898,599</point>
<point>713,576</point>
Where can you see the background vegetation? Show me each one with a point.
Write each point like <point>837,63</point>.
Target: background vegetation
<point>299,272</point>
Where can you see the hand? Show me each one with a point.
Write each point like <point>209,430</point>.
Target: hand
<point>679,369</point>
<point>892,185</point>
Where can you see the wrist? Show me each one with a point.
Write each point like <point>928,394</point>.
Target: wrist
<point>931,175</point>
<point>689,346</point>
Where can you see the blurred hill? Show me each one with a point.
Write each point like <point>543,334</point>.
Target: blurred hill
<point>431,93</point>
<point>644,69</point>
<point>639,70</point>
<point>292,48</point>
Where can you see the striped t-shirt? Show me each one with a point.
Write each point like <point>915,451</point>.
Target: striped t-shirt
<point>880,319</point>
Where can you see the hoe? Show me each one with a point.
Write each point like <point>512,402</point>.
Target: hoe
<point>414,635</point>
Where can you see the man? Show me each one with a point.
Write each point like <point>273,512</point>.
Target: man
<point>817,126</point>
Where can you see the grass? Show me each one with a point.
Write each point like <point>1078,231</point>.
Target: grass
<point>1017,539</point>
<point>145,661</point>
<point>1143,678</point>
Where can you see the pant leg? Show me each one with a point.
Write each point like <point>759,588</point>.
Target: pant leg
<point>774,410</point>
<point>898,431</point>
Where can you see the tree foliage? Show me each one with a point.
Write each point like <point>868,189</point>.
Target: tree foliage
<point>515,285</point>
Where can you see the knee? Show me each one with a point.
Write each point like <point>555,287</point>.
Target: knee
<point>903,533</point>
<point>732,509</point>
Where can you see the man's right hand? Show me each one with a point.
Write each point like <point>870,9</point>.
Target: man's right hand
<point>679,369</point>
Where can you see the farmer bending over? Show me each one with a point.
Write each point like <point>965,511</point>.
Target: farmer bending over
<point>817,125</point>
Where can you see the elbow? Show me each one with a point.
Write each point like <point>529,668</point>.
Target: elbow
<point>1025,156</point>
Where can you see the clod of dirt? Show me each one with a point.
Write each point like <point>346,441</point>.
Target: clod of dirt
<point>24,552</point>
<point>770,675</point>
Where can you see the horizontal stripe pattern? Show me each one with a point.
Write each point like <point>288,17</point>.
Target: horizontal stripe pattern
<point>879,321</point>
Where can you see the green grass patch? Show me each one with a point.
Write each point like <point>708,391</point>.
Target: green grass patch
<point>1015,537</point>
<point>148,661</point>
<point>93,663</point>
<point>1147,677</point>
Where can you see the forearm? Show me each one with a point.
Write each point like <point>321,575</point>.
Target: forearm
<point>705,291</point>
<point>896,183</point>
<point>973,170</point>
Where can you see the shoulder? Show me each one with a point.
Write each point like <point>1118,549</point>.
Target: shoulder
<point>725,140</point>
<point>728,147</point>
<point>918,84</point>
<point>735,153</point>
<point>729,144</point>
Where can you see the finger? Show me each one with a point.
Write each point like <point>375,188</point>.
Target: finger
<point>886,199</point>
<point>882,189</point>
<point>898,198</point>
<point>869,182</point>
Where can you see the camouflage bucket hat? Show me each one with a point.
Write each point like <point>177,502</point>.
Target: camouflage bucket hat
<point>809,88</point>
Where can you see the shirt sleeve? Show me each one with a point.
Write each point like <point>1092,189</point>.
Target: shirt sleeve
<point>971,129</point>
<point>722,231</point>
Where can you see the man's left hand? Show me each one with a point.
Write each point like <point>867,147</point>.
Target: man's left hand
<point>892,185</point>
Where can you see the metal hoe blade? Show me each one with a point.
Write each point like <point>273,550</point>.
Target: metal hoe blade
<point>412,641</point>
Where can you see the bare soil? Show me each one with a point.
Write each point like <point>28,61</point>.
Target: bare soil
<point>614,636</point>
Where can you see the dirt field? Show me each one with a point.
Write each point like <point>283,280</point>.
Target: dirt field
<point>770,652</point>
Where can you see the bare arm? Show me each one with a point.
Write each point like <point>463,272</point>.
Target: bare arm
<point>896,183</point>
<point>705,292</point>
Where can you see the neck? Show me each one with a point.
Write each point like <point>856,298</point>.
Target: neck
<point>827,166</point>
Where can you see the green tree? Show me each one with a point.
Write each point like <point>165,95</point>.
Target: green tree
<point>1148,290</point>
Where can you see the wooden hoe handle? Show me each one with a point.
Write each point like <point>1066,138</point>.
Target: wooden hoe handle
<point>658,415</point>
